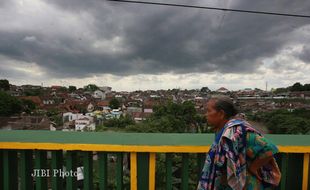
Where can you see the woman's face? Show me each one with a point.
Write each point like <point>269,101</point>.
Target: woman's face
<point>215,118</point>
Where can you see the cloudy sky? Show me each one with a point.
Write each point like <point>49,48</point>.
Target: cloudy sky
<point>131,46</point>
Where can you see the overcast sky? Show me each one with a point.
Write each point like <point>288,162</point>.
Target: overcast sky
<point>131,46</point>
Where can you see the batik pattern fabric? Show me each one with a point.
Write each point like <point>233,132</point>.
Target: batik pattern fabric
<point>226,162</point>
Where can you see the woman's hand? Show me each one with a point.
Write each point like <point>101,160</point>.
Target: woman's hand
<point>257,164</point>
<point>255,171</point>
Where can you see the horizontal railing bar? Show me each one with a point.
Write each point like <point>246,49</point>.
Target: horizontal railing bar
<point>121,138</point>
<point>129,148</point>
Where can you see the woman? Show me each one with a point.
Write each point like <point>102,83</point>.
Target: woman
<point>240,158</point>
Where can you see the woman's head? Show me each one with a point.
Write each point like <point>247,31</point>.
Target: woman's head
<point>219,111</point>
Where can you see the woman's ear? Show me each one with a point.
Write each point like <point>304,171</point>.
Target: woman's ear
<point>222,114</point>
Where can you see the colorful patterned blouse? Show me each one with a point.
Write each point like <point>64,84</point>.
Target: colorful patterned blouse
<point>226,163</point>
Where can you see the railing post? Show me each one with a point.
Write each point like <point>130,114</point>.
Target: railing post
<point>294,171</point>
<point>71,165</point>
<point>152,170</point>
<point>40,166</point>
<point>284,161</point>
<point>305,172</point>
<point>57,165</point>
<point>1,169</point>
<point>143,170</point>
<point>103,167</point>
<point>26,167</point>
<point>119,171</point>
<point>10,170</point>
<point>185,175</point>
<point>168,171</point>
<point>133,171</point>
<point>88,170</point>
<point>200,163</point>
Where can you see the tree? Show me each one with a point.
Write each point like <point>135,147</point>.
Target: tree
<point>114,103</point>
<point>4,85</point>
<point>55,116</point>
<point>91,87</point>
<point>28,106</point>
<point>72,88</point>
<point>9,105</point>
<point>33,92</point>
<point>307,87</point>
<point>172,118</point>
<point>63,89</point>
<point>280,90</point>
<point>297,87</point>
<point>205,89</point>
<point>285,122</point>
<point>121,122</point>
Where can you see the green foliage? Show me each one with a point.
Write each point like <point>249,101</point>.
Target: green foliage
<point>297,87</point>
<point>205,89</point>
<point>172,118</point>
<point>176,171</point>
<point>307,87</point>
<point>285,100</point>
<point>120,123</point>
<point>55,116</point>
<point>82,109</point>
<point>167,118</point>
<point>33,92</point>
<point>114,103</point>
<point>285,122</point>
<point>9,105</point>
<point>28,106</point>
<point>4,85</point>
<point>63,89</point>
<point>280,90</point>
<point>72,88</point>
<point>91,87</point>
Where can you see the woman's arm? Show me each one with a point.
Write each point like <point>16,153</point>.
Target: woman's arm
<point>258,163</point>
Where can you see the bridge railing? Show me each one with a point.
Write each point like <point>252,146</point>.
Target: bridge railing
<point>112,160</point>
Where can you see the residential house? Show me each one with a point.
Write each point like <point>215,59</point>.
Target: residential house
<point>69,116</point>
<point>28,123</point>
<point>105,89</point>
<point>222,90</point>
<point>115,113</point>
<point>85,124</point>
<point>98,94</point>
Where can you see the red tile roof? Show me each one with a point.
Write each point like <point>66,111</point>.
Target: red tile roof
<point>103,103</point>
<point>36,99</point>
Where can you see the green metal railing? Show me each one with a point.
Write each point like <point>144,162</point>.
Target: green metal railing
<point>155,161</point>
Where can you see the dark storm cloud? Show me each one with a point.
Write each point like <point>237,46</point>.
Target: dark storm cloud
<point>305,54</point>
<point>155,39</point>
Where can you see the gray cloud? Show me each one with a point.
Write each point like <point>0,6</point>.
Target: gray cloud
<point>100,37</point>
<point>305,54</point>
